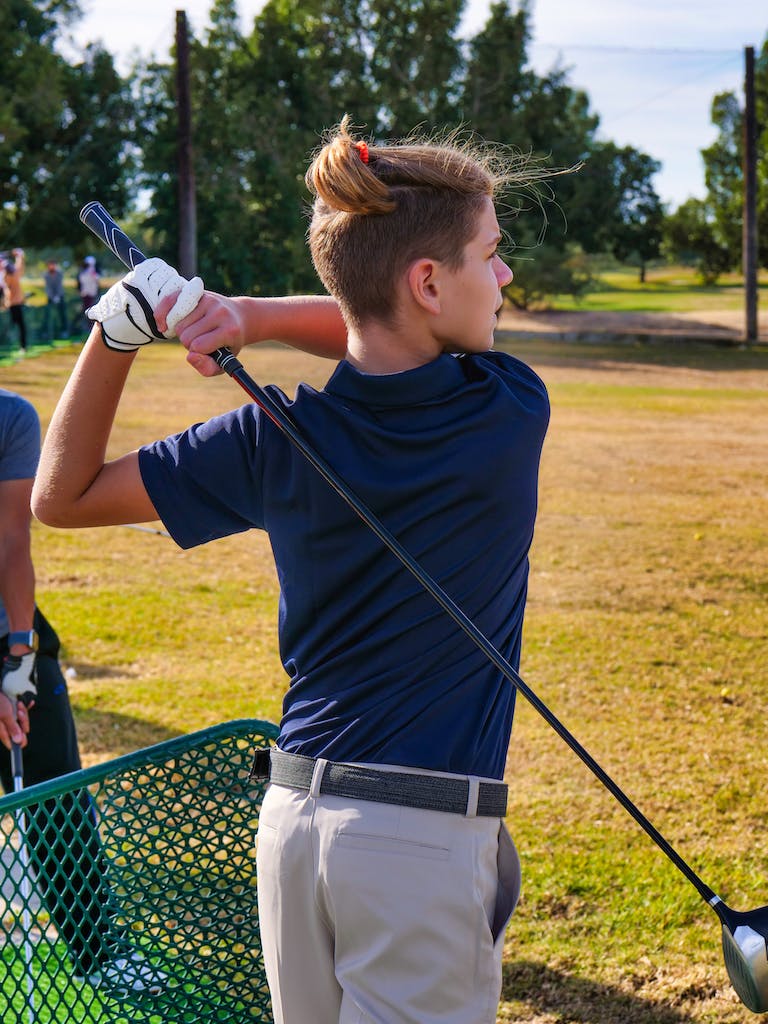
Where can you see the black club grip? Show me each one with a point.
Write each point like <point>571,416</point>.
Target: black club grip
<point>95,217</point>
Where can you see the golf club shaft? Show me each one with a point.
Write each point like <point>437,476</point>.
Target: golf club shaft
<point>99,221</point>
<point>17,767</point>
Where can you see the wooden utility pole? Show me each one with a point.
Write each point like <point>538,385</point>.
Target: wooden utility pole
<point>749,236</point>
<point>186,174</point>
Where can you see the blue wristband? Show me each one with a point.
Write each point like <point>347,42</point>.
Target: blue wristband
<point>23,636</point>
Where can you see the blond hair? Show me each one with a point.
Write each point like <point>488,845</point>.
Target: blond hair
<point>377,208</point>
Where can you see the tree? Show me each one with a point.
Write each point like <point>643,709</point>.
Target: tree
<point>550,270</point>
<point>224,149</point>
<point>634,231</point>
<point>724,176</point>
<point>415,62</point>
<point>258,102</point>
<point>310,65</point>
<point>63,128</point>
<point>260,105</point>
<point>95,148</point>
<point>544,120</point>
<point>691,236</point>
<point>723,164</point>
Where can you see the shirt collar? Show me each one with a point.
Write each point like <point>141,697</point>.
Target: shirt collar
<point>433,380</point>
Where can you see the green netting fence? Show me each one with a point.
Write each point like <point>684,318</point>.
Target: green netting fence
<point>140,871</point>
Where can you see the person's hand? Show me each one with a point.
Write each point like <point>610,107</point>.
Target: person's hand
<point>14,722</point>
<point>214,323</point>
<point>127,312</point>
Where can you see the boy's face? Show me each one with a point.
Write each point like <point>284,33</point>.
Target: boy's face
<point>473,296</point>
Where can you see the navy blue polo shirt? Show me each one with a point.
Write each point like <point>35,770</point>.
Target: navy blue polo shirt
<point>446,456</point>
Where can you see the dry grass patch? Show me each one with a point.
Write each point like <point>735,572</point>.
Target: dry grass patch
<point>646,634</point>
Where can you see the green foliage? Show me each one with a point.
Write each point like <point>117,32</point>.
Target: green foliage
<point>63,127</point>
<point>415,62</point>
<point>723,171</point>
<point>723,162</point>
<point>555,272</point>
<point>614,207</point>
<point>505,100</point>
<point>261,104</point>
<point>691,236</point>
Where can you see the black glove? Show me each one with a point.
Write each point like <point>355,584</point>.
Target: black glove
<point>18,677</point>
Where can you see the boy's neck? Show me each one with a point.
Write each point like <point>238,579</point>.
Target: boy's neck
<point>378,348</point>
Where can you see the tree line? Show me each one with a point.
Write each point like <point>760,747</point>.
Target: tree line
<point>74,129</point>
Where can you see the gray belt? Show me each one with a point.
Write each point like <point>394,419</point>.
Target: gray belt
<point>406,789</point>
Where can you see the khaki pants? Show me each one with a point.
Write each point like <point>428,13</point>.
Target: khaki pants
<point>377,914</point>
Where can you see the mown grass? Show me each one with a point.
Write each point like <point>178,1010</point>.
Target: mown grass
<point>666,289</point>
<point>645,634</point>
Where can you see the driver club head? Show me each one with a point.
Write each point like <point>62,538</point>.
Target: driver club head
<point>745,950</point>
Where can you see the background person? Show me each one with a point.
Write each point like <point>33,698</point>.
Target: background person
<point>88,286</point>
<point>64,845</point>
<point>14,287</point>
<point>374,905</point>
<point>56,309</point>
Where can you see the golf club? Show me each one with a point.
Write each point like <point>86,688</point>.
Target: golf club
<point>745,934</point>
<point>17,770</point>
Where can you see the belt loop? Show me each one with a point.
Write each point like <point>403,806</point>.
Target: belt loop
<point>317,777</point>
<point>472,797</point>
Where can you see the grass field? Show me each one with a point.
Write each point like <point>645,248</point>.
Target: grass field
<point>667,289</point>
<point>646,634</point>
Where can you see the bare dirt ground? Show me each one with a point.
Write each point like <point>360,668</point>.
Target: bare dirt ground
<point>725,327</point>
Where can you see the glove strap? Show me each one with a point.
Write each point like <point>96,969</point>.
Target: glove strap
<point>116,346</point>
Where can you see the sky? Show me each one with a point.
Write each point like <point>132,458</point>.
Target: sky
<point>650,67</point>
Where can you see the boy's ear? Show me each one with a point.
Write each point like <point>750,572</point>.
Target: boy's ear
<point>424,282</point>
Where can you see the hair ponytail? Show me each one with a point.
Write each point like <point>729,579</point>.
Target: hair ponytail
<point>343,180</point>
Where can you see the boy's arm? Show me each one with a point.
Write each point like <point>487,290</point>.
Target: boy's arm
<point>74,485</point>
<point>311,323</point>
<point>17,574</point>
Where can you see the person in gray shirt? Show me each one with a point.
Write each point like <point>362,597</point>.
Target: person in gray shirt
<point>64,845</point>
<point>56,310</point>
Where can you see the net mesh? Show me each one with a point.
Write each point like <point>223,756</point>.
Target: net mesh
<point>129,889</point>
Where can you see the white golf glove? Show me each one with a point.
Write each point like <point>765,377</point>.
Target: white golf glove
<point>127,311</point>
<point>19,677</point>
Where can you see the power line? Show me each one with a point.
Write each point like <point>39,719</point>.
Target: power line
<point>649,100</point>
<point>678,51</point>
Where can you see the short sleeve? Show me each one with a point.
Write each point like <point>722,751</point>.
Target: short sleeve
<point>19,438</point>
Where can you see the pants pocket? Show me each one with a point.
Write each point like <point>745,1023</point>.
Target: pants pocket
<point>390,845</point>
<point>508,891</point>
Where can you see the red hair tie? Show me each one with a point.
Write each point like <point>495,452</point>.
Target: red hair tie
<point>362,149</point>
